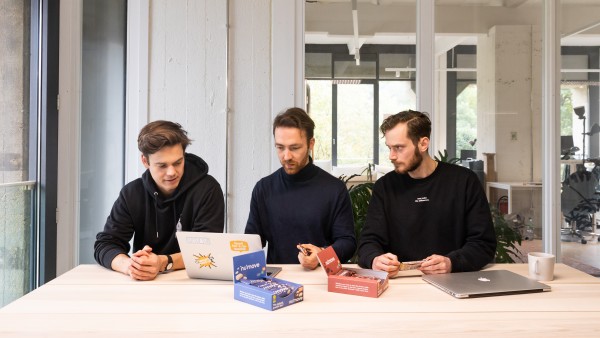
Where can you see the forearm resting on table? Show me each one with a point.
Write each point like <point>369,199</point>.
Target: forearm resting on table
<point>122,262</point>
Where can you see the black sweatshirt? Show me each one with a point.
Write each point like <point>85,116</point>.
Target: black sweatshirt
<point>445,213</point>
<point>143,213</point>
<point>309,207</point>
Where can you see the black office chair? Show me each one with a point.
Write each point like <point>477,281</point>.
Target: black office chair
<point>579,201</point>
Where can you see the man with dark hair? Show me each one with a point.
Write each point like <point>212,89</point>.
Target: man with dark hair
<point>300,206</point>
<point>175,193</point>
<point>425,210</point>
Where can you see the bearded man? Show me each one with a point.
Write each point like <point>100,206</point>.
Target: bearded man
<point>425,210</point>
<point>300,206</point>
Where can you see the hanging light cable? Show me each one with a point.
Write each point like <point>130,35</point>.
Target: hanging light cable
<point>355,25</point>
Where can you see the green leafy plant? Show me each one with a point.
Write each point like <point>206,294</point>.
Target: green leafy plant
<point>446,158</point>
<point>360,196</point>
<point>506,237</point>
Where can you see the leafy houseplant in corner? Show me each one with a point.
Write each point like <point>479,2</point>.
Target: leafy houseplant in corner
<point>506,237</point>
<point>360,196</point>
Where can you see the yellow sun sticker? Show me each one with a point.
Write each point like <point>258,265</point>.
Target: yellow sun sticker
<point>207,261</point>
<point>239,246</point>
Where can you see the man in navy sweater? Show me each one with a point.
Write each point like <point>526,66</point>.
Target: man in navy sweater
<point>300,206</point>
<point>424,209</point>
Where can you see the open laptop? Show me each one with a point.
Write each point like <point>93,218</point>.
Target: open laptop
<point>484,283</point>
<point>209,255</point>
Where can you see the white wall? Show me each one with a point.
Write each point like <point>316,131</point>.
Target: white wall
<point>250,104</point>
<point>187,80</point>
<point>227,108</point>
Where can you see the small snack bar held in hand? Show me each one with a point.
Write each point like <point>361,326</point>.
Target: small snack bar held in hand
<point>360,282</point>
<point>252,285</point>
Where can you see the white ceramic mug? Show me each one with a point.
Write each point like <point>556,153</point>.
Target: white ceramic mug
<point>541,266</point>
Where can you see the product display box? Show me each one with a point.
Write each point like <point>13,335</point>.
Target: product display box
<point>252,285</point>
<point>360,282</point>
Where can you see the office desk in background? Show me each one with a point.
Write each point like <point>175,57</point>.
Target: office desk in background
<point>92,301</point>
<point>510,187</point>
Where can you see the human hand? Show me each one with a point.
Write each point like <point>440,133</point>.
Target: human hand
<point>308,255</point>
<point>145,265</point>
<point>436,264</point>
<point>121,263</point>
<point>387,262</point>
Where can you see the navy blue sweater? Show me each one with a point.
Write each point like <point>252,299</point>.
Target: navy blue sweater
<point>143,213</point>
<point>445,213</point>
<point>309,207</point>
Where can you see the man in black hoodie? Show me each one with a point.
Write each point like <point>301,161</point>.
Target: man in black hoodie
<point>174,194</point>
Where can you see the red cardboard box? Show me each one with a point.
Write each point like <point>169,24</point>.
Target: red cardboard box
<point>360,282</point>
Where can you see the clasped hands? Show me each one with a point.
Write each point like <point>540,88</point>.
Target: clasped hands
<point>434,264</point>
<point>142,265</point>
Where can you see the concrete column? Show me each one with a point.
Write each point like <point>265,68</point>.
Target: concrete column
<point>509,110</point>
<point>509,87</point>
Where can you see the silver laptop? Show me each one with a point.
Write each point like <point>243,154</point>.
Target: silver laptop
<point>484,283</point>
<point>209,255</point>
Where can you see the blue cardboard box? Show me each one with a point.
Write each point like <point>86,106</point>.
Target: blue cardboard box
<point>251,284</point>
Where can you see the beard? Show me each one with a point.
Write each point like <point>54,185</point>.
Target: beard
<point>413,163</point>
<point>292,167</point>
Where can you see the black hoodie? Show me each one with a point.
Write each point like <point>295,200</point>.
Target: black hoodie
<point>197,204</point>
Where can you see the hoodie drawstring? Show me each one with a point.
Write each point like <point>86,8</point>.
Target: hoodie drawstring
<point>156,212</point>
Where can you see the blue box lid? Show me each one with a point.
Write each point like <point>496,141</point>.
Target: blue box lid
<point>250,266</point>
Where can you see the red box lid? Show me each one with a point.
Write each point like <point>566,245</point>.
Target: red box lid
<point>329,261</point>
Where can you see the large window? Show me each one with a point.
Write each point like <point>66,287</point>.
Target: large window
<point>17,172</point>
<point>461,102</point>
<point>27,146</point>
<point>348,101</point>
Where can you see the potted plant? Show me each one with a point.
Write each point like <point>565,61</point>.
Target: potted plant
<point>446,158</point>
<point>360,196</point>
<point>506,238</point>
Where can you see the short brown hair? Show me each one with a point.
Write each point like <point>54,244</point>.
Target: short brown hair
<point>158,134</point>
<point>418,123</point>
<point>295,118</point>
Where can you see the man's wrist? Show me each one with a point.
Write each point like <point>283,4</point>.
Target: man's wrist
<point>168,266</point>
<point>163,261</point>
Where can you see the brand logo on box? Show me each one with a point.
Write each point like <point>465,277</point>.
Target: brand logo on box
<point>249,266</point>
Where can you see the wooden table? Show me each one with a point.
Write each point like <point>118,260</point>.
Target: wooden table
<point>92,301</point>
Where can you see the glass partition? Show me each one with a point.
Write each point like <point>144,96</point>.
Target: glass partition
<point>488,107</point>
<point>102,117</point>
<point>580,135</point>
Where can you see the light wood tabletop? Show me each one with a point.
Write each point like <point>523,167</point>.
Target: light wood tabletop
<point>92,301</point>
